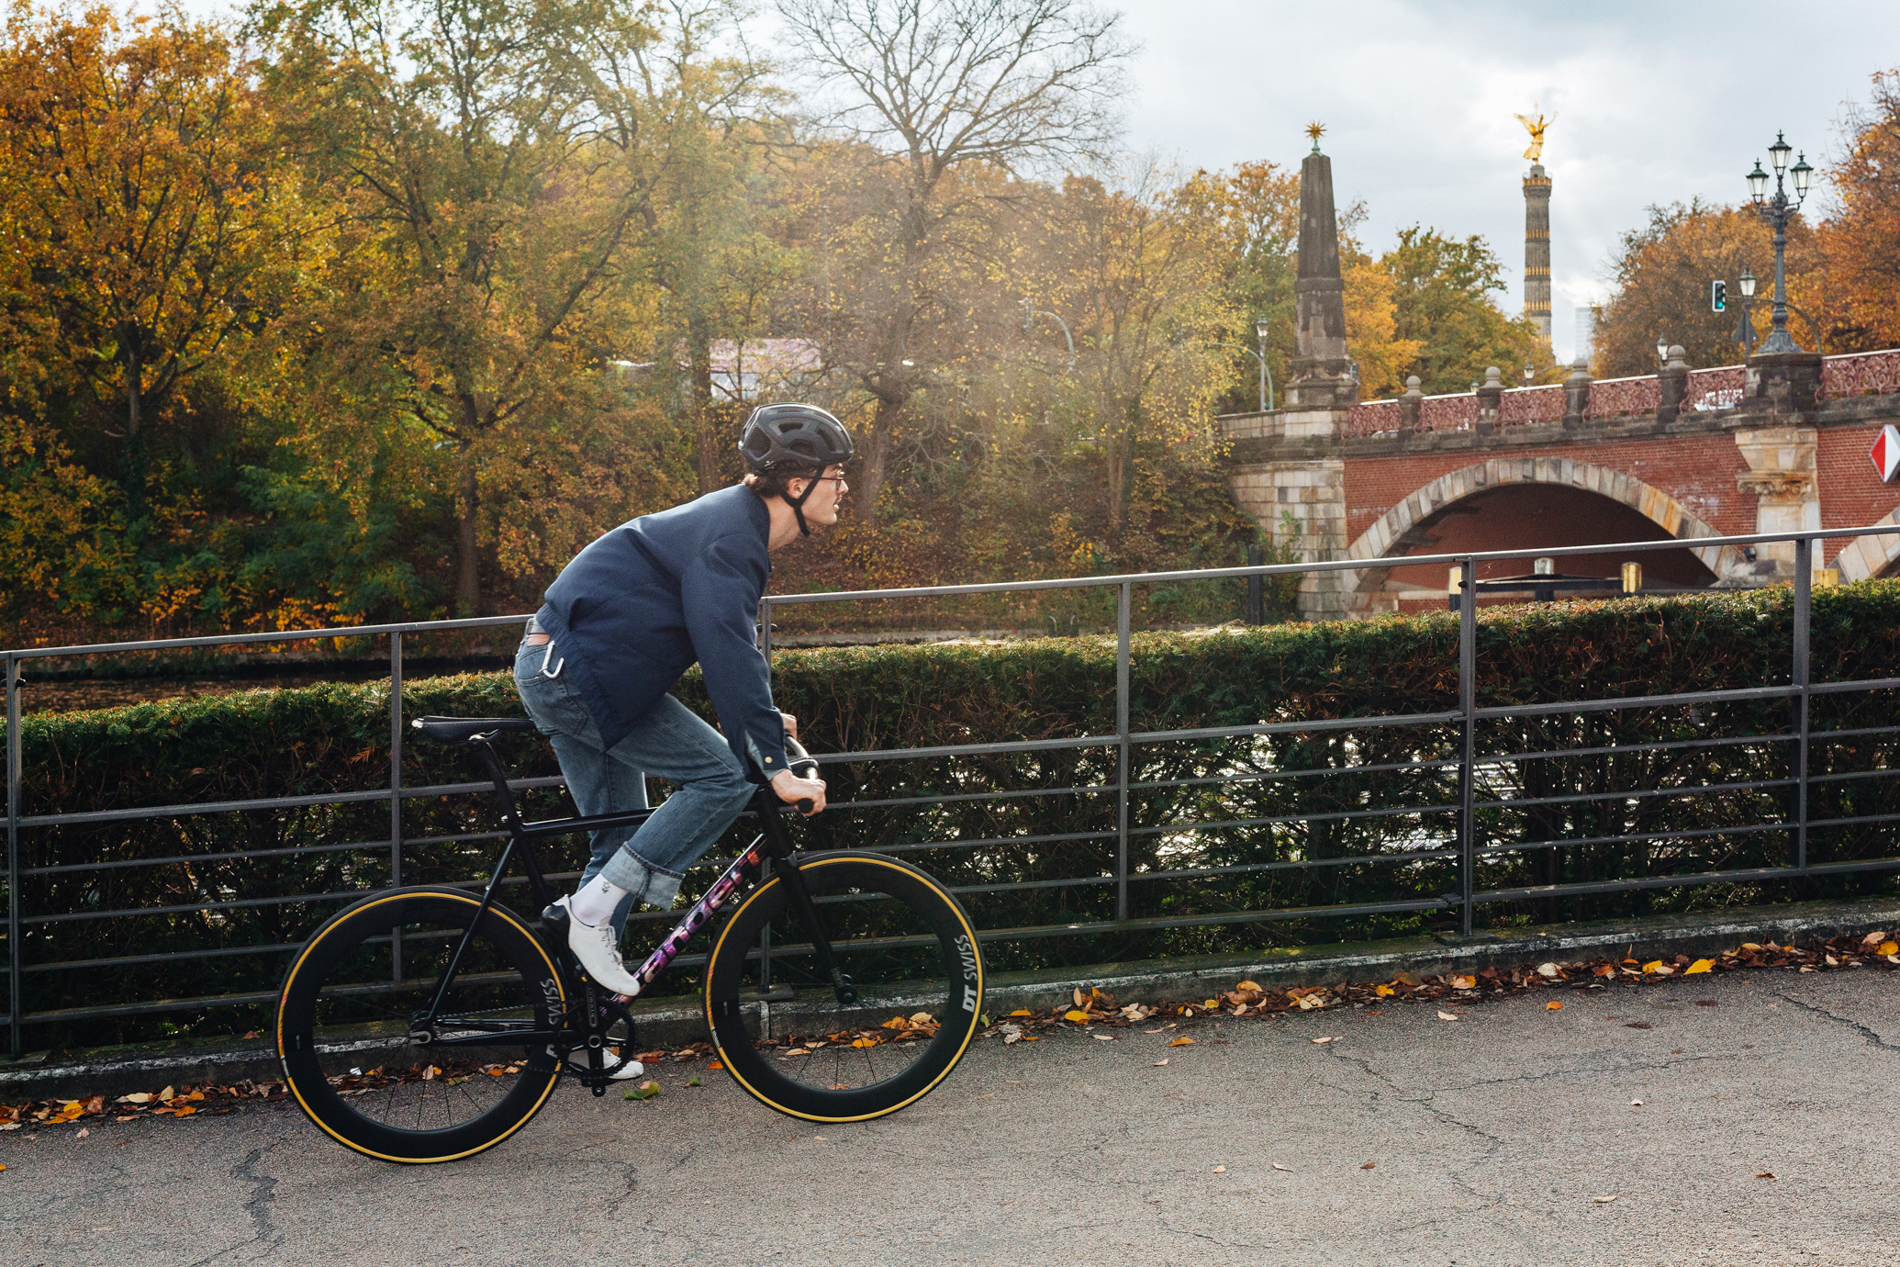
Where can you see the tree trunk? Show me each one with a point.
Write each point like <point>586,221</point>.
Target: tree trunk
<point>876,451</point>
<point>699,408</point>
<point>468,582</point>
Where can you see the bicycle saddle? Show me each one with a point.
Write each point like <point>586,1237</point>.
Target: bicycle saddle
<point>457,729</point>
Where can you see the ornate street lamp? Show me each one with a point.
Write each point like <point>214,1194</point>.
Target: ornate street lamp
<point>1662,348</point>
<point>1777,211</point>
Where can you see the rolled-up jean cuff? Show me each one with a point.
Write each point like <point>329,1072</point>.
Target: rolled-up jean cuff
<point>647,883</point>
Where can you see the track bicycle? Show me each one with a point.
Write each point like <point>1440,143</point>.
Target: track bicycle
<point>428,1023</point>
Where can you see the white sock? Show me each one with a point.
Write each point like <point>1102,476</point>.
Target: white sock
<point>595,901</point>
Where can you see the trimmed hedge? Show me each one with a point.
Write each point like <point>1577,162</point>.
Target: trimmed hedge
<point>335,738</point>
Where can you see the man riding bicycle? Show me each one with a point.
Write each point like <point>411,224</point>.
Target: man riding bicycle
<point>624,619</point>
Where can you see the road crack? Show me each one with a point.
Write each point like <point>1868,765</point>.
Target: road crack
<point>1854,1025</point>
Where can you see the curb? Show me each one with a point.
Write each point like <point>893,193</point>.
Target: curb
<point>674,1022</point>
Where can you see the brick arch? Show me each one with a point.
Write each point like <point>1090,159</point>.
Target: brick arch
<point>1386,537</point>
<point>1870,555</point>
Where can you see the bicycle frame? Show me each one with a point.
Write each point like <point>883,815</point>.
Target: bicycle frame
<point>773,841</point>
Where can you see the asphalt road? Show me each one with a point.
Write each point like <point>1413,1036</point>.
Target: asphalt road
<point>1491,1139</point>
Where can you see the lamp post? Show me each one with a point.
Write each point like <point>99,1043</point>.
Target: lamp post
<point>1777,211</point>
<point>1745,329</point>
<point>1031,312</point>
<point>1266,375</point>
<point>1662,348</point>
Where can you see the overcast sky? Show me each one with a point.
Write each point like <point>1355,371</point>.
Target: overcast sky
<point>1654,103</point>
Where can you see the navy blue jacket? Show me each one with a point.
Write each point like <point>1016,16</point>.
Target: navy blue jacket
<point>639,605</point>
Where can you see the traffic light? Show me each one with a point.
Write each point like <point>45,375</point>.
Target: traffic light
<point>1718,295</point>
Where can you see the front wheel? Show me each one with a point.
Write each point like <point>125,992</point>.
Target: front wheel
<point>349,1045</point>
<point>910,953</point>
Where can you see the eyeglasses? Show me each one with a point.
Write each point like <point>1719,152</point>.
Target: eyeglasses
<point>827,479</point>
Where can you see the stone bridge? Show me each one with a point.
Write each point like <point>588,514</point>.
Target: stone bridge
<point>1779,444</point>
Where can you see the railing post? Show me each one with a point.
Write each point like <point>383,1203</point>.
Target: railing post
<point>1803,579</point>
<point>1467,769</point>
<point>395,792</point>
<point>1121,735</point>
<point>16,1006</point>
<point>1256,591</point>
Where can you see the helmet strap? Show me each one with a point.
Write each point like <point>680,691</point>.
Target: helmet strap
<point>798,506</point>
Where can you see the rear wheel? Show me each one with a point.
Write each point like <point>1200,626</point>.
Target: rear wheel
<point>344,1026</point>
<point>910,952</point>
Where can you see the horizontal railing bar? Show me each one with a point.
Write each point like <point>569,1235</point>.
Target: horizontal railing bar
<point>966,750</point>
<point>1018,885</point>
<point>1693,833</point>
<point>1735,695</point>
<point>195,809</point>
<point>1852,774</point>
<point>1435,763</point>
<point>912,846</point>
<point>1858,684</point>
<point>1253,868</point>
<point>1670,881</point>
<point>1012,794</point>
<point>1293,727</point>
<point>1333,816</point>
<point>1638,794</point>
<point>170,956</point>
<point>1610,750</point>
<point>233,905</point>
<point>294,635</point>
<point>116,864</point>
<point>1298,569</point>
<point>1853,733</point>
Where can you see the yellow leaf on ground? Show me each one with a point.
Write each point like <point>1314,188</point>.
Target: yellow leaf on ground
<point>1080,1018</point>
<point>896,1022</point>
<point>1211,1003</point>
<point>1384,991</point>
<point>1889,948</point>
<point>1464,983</point>
<point>1182,1041</point>
<point>922,1018</point>
<point>1022,1011</point>
<point>1553,1006</point>
<point>1248,985</point>
<point>1031,1038</point>
<point>1700,965</point>
<point>1654,965</point>
<point>187,1111</point>
<point>1749,945</point>
<point>715,1065</point>
<point>866,1042</point>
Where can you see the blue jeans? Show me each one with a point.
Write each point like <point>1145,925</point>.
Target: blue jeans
<point>671,743</point>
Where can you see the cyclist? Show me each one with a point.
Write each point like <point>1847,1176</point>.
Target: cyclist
<point>629,614</point>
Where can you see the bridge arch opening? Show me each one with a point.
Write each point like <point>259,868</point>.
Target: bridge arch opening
<point>1551,507</point>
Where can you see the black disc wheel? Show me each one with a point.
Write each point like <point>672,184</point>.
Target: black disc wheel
<point>908,951</point>
<point>362,1068</point>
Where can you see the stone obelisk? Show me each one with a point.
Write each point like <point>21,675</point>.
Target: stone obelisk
<point>1322,372</point>
<point>1284,466</point>
<point>1537,248</point>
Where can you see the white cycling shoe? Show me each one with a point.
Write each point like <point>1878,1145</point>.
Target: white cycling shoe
<point>598,949</point>
<point>632,1069</point>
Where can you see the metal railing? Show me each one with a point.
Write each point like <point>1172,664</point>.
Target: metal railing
<point>1450,767</point>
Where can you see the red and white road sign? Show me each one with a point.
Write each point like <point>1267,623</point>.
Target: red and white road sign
<point>1886,452</point>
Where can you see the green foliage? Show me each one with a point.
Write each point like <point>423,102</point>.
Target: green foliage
<point>1443,301</point>
<point>1275,799</point>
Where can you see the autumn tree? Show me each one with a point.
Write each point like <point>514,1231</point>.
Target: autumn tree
<point>1859,243</point>
<point>145,198</point>
<point>932,89</point>
<point>1662,273</point>
<point>1442,299</point>
<point>492,160</point>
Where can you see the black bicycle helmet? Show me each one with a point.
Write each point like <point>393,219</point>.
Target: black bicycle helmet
<point>795,439</point>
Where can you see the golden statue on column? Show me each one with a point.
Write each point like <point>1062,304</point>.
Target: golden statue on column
<point>1536,128</point>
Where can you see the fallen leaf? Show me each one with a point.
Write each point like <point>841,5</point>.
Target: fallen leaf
<point>1211,1003</point>
<point>1766,1174</point>
<point>1553,1006</point>
<point>1700,965</point>
<point>1081,999</point>
<point>1464,983</point>
<point>1324,1040</point>
<point>1384,991</point>
<point>1888,948</point>
<point>1311,1002</point>
<point>1161,1062</point>
<point>167,1093</point>
<point>252,1034</point>
<point>1080,1018</point>
<point>1636,1104</point>
<point>1183,1041</point>
<point>866,1042</point>
<point>645,1091</point>
<point>1278,1166</point>
<point>1608,1199</point>
<point>1031,1038</point>
<point>1248,985</point>
<point>1022,1011</point>
<point>1549,970</point>
<point>83,1132</point>
<point>715,1065</point>
<point>1103,1038</point>
<point>1368,1166</point>
<point>137,1097</point>
<point>1446,1016</point>
<point>187,1110</point>
<point>1749,945</point>
<point>1637,1025</point>
<point>1220,1170</point>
